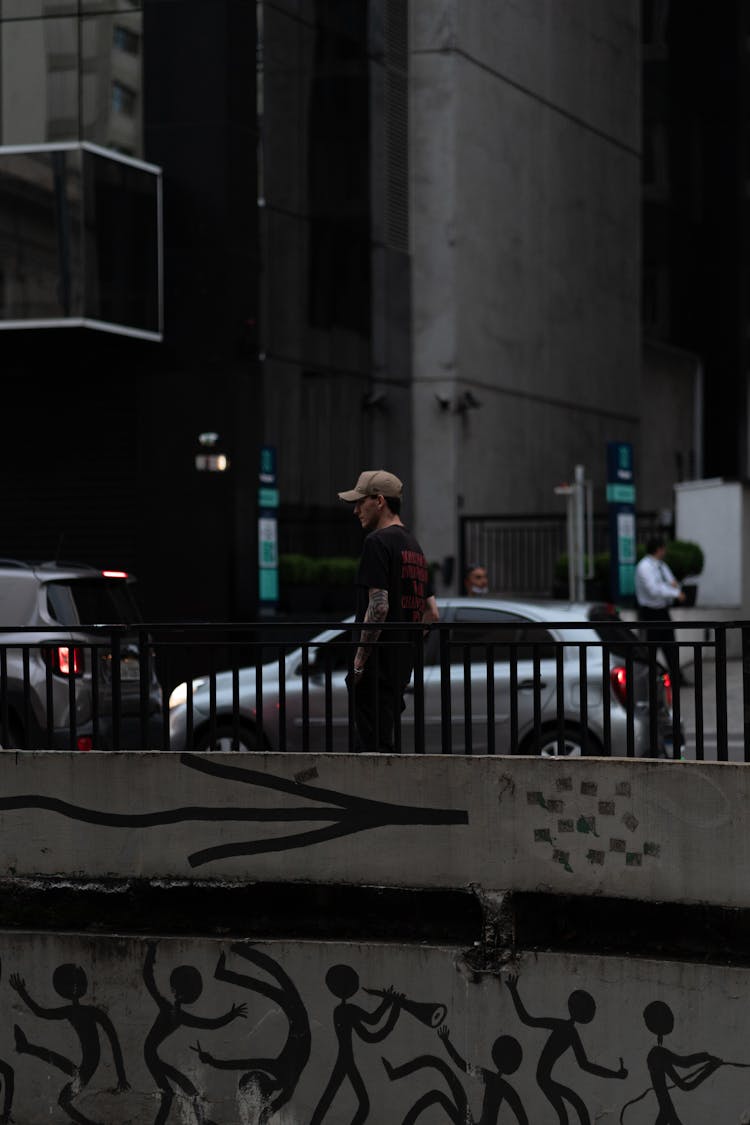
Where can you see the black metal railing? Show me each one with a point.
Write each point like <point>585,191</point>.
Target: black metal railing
<point>475,689</point>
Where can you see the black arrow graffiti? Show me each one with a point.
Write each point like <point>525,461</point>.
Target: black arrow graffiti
<point>344,813</point>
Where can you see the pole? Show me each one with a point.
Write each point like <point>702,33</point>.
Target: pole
<point>580,544</point>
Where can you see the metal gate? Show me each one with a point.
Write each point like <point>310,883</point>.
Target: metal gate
<point>520,552</point>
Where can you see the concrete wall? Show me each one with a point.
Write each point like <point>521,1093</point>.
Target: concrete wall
<point>300,1026</point>
<point>139,1022</point>
<point>651,831</point>
<point>525,210</point>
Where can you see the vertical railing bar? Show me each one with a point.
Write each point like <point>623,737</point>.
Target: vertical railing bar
<point>513,681</point>
<point>746,692</point>
<point>282,699</point>
<point>115,688</point>
<point>305,697</point>
<point>700,750</point>
<point>560,698</point>
<point>144,682</point>
<point>722,732</point>
<point>606,700</point>
<point>418,677</point>
<point>445,692</point>
<point>468,743</point>
<point>490,699</point>
<point>583,697</point>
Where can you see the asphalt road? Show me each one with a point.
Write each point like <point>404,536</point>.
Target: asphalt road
<point>735,726</point>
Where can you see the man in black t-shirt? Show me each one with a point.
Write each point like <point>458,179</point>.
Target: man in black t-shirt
<point>392,584</point>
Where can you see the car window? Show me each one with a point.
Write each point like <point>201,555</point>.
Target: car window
<point>92,602</point>
<point>476,630</point>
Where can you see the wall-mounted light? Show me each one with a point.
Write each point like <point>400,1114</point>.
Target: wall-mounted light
<point>213,462</point>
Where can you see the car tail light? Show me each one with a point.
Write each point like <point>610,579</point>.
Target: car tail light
<point>114,574</point>
<point>67,661</point>
<point>85,742</point>
<point>666,680</point>
<point>618,678</point>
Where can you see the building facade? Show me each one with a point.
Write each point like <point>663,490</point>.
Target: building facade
<point>360,233</point>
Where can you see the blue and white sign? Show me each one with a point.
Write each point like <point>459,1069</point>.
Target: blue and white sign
<point>268,525</point>
<point>621,508</point>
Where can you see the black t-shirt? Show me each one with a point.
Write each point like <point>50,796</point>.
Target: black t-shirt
<point>393,560</point>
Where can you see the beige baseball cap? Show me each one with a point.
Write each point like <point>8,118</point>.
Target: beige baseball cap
<point>373,482</point>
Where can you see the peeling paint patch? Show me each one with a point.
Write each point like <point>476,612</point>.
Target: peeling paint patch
<point>562,858</point>
<point>652,849</point>
<point>534,797</point>
<point>542,836</point>
<point>606,808</point>
<point>556,806</point>
<point>587,824</point>
<point>622,789</point>
<point>565,826</point>
<point>630,821</point>
<point>564,784</point>
<point>617,845</point>
<point>589,788</point>
<point>633,859</point>
<point>595,857</point>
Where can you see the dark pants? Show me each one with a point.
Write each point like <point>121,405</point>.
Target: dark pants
<point>378,698</point>
<point>663,635</point>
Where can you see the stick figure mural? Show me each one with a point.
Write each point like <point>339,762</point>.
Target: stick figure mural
<point>70,982</point>
<point>506,1055</point>
<point>348,1018</point>
<point>663,1065</point>
<point>268,1082</point>
<point>563,1037</point>
<point>186,984</point>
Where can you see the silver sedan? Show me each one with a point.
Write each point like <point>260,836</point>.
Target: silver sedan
<point>494,676</point>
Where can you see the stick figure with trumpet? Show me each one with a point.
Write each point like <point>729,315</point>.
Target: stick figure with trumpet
<point>343,982</point>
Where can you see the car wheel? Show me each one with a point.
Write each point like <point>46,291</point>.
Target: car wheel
<point>548,746</point>
<point>224,740</point>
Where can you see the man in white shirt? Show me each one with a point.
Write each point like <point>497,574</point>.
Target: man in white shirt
<point>656,589</point>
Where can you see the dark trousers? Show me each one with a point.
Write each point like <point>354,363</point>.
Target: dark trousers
<point>663,635</point>
<point>378,699</point>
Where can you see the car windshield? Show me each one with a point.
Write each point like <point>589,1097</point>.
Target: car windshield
<point>99,601</point>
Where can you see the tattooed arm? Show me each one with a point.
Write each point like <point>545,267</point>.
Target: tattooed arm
<point>377,611</point>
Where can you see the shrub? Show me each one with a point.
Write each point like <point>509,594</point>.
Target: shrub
<point>684,558</point>
<point>298,570</point>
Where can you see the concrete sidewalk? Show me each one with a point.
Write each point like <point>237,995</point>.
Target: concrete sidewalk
<point>690,697</point>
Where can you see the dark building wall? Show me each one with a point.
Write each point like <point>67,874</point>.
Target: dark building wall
<point>100,430</point>
<point>695,213</point>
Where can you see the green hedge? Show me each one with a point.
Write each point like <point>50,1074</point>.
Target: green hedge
<point>299,570</point>
<point>683,557</point>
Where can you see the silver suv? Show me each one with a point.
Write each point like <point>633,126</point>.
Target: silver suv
<point>71,675</point>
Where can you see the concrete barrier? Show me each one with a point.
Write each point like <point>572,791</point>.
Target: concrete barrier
<point>193,1019</point>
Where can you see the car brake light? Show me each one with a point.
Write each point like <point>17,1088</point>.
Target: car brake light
<point>67,661</point>
<point>85,742</point>
<point>618,678</point>
<point>114,574</point>
<point>666,679</point>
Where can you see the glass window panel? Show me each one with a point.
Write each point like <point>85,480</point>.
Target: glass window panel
<point>113,83</point>
<point>121,245</point>
<point>63,210</point>
<point>40,235</point>
<point>39,78</point>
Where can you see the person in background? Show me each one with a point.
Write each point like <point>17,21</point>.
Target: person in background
<point>476,581</point>
<point>656,589</point>
<point>392,584</point>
